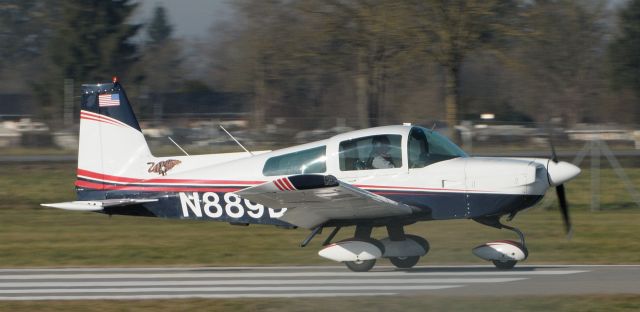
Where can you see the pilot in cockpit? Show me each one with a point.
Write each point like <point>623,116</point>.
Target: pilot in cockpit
<point>380,158</point>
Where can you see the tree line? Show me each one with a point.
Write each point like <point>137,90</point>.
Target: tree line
<point>367,62</point>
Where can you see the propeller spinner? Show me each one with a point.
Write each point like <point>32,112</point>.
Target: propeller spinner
<point>558,173</point>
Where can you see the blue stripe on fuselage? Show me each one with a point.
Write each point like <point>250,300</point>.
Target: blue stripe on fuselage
<point>224,206</point>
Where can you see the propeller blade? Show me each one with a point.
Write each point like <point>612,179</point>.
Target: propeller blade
<point>564,208</point>
<point>562,197</point>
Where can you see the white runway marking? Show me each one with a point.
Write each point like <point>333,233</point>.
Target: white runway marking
<point>237,282</point>
<point>260,282</point>
<point>279,274</point>
<point>203,296</point>
<point>318,267</point>
<point>222,289</point>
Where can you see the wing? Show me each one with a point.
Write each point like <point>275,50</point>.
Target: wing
<point>97,205</point>
<point>314,199</point>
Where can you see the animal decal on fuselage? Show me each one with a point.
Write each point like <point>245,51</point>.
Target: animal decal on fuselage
<point>162,167</point>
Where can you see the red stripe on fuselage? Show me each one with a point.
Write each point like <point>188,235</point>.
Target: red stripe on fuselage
<point>275,182</point>
<point>286,187</point>
<point>106,177</point>
<point>288,183</point>
<point>282,183</point>
<point>99,186</point>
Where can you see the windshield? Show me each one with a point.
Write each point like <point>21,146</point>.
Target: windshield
<point>427,147</point>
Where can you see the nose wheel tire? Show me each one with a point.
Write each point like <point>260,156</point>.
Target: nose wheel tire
<point>404,262</point>
<point>360,266</point>
<point>505,265</point>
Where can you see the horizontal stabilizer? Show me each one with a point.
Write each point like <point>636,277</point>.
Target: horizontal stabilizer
<point>97,205</point>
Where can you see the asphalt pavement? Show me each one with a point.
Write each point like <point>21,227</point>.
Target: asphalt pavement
<point>313,281</point>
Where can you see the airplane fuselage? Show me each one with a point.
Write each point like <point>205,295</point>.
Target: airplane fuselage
<point>202,187</point>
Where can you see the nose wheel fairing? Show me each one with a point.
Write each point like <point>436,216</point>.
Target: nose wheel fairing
<point>503,253</point>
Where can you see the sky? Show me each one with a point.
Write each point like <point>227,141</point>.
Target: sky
<point>192,19</point>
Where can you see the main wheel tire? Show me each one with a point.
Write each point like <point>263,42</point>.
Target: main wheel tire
<point>360,266</point>
<point>405,262</point>
<point>505,265</point>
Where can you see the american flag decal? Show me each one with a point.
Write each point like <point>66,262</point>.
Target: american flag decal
<point>105,100</point>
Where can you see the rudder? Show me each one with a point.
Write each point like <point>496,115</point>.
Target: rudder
<point>111,141</point>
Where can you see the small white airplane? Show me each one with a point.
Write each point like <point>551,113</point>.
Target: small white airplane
<point>388,176</point>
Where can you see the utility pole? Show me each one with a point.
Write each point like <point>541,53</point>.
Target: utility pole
<point>67,110</point>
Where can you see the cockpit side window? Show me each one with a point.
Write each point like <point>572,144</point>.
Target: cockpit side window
<point>427,147</point>
<point>308,161</point>
<point>373,152</point>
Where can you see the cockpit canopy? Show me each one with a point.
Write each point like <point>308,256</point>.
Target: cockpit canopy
<point>378,149</point>
<point>385,151</point>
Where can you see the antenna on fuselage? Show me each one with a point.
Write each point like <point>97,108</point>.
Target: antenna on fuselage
<point>231,136</point>
<point>176,144</point>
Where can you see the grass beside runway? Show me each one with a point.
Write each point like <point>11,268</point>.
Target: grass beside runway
<point>611,303</point>
<point>31,236</point>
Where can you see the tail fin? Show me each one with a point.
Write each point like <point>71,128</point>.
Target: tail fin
<point>111,141</point>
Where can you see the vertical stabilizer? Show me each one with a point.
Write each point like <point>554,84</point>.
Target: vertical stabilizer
<point>111,142</point>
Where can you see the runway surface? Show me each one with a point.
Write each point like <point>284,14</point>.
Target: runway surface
<point>313,281</point>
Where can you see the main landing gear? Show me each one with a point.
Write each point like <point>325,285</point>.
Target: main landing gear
<point>360,252</point>
<point>504,254</point>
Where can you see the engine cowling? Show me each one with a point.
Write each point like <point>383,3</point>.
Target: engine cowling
<point>503,250</point>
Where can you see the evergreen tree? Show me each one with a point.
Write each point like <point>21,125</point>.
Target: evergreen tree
<point>160,64</point>
<point>162,55</point>
<point>92,41</point>
<point>159,29</point>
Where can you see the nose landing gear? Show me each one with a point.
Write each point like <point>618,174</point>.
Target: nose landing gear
<point>504,254</point>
